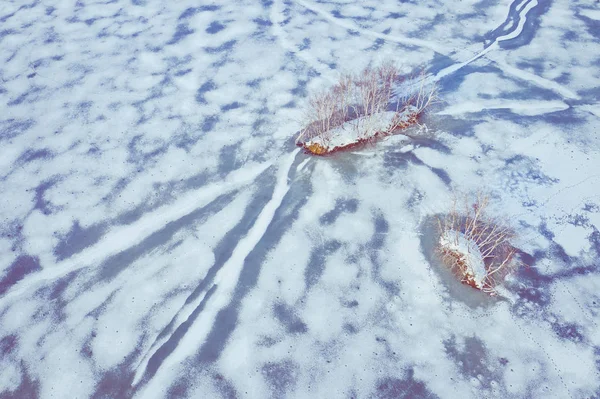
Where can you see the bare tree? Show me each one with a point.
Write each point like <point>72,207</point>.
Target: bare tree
<point>362,100</point>
<point>425,95</point>
<point>491,240</point>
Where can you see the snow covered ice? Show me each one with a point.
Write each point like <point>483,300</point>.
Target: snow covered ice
<point>162,237</point>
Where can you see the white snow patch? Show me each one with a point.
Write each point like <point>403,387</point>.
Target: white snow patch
<point>528,108</point>
<point>593,109</point>
<point>591,14</point>
<point>573,239</point>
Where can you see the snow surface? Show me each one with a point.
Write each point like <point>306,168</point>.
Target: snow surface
<point>161,236</point>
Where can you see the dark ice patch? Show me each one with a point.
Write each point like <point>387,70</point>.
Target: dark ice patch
<point>30,95</point>
<point>28,388</point>
<point>225,47</point>
<point>215,27</point>
<point>381,229</point>
<point>230,106</point>
<point>11,128</point>
<point>377,44</point>
<point>51,36</point>
<point>31,155</point>
<point>138,155</point>
<point>157,359</point>
<point>224,386</point>
<point>209,123</point>
<point>77,239</point>
<point>471,359</point>
<point>181,32</point>
<point>191,11</point>
<point>183,72</point>
<point>305,44</point>
<point>592,25</point>
<point>372,248</point>
<point>21,267</point>
<point>8,344</point>
<point>290,320</point>
<point>115,264</point>
<point>349,328</point>
<point>521,168</point>
<point>6,32</point>
<point>280,376</point>
<point>41,203</point>
<point>407,388</point>
<point>117,382</point>
<point>207,86</point>
<point>568,331</point>
<point>228,159</point>
<point>341,206</point>
<point>532,23</point>
<point>300,90</point>
<point>594,240</point>
<point>284,217</point>
<point>316,264</point>
<point>393,160</point>
<point>533,292</point>
<point>262,22</point>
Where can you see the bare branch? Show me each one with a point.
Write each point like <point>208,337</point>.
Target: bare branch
<point>488,235</point>
<point>362,99</point>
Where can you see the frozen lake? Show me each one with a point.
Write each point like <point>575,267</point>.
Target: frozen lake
<point>162,237</point>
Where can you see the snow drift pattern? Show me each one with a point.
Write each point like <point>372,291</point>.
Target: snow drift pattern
<point>154,224</point>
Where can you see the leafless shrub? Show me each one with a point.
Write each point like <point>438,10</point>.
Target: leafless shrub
<point>374,90</point>
<point>490,236</point>
<point>353,96</point>
<point>374,87</point>
<point>322,110</point>
<point>363,98</point>
<point>327,109</point>
<point>426,93</point>
<point>343,92</point>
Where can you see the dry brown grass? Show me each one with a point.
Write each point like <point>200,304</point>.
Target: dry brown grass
<point>492,237</point>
